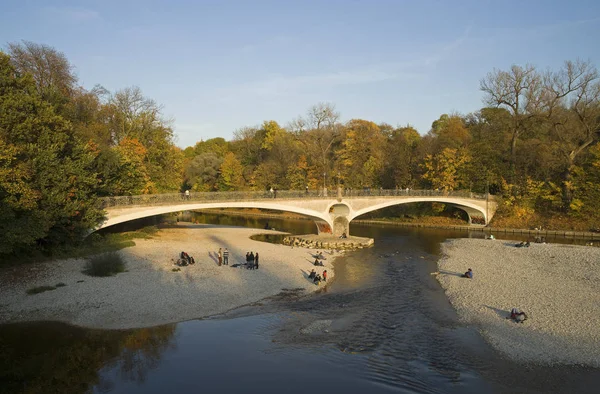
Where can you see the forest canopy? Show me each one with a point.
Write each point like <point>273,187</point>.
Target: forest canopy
<point>534,143</point>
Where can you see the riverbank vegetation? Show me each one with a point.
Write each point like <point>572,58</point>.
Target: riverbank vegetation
<point>106,264</point>
<point>534,144</point>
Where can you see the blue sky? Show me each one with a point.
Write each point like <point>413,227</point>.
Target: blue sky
<point>217,66</point>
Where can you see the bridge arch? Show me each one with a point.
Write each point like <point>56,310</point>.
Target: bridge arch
<point>323,222</point>
<point>471,209</point>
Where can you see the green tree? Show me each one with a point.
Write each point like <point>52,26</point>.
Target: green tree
<point>520,92</point>
<point>401,158</point>
<point>202,173</point>
<point>217,145</point>
<point>51,70</point>
<point>55,202</point>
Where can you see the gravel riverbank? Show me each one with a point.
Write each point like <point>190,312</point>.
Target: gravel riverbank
<point>558,286</point>
<point>150,293</point>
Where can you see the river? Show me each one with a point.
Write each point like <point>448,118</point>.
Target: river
<point>383,326</point>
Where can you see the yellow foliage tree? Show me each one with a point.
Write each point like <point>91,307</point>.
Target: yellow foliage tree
<point>442,170</point>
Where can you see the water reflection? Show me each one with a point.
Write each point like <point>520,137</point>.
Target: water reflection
<point>50,357</point>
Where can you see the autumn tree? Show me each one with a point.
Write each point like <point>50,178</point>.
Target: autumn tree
<point>231,173</point>
<point>317,133</point>
<point>361,154</point>
<point>443,170</point>
<point>134,116</point>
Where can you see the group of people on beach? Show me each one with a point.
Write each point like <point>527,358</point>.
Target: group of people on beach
<point>185,259</point>
<point>316,278</point>
<point>252,260</point>
<point>223,256</point>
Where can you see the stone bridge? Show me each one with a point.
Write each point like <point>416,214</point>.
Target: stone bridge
<point>332,214</point>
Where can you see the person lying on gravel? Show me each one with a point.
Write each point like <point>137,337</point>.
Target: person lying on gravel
<point>517,316</point>
<point>468,274</point>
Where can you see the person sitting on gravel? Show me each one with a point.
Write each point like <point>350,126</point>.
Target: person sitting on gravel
<point>317,279</point>
<point>468,274</point>
<point>318,263</point>
<point>517,316</point>
<point>312,274</point>
<point>520,245</point>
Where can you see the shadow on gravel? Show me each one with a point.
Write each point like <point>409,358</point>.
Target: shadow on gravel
<point>499,312</point>
<point>445,272</point>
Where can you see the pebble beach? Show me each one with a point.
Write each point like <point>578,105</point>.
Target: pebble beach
<point>150,293</point>
<point>558,286</point>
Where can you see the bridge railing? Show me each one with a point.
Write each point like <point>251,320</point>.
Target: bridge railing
<point>195,197</point>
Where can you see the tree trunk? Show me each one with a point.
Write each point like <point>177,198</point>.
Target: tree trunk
<point>513,156</point>
<point>567,195</point>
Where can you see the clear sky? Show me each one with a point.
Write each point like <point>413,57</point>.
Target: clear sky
<point>217,66</point>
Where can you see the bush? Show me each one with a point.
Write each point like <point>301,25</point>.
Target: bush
<point>40,289</point>
<point>107,264</point>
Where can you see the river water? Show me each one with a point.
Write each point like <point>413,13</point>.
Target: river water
<point>383,325</point>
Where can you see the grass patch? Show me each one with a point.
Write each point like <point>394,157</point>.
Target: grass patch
<point>107,264</point>
<point>40,289</point>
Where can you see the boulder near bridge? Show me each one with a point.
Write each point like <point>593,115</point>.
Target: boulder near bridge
<point>332,214</point>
